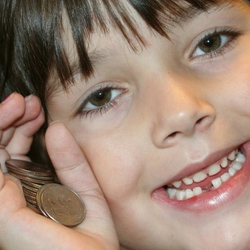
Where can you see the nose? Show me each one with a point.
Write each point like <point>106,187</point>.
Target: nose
<point>181,113</point>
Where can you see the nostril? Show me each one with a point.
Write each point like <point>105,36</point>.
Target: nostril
<point>172,138</point>
<point>173,135</point>
<point>204,122</point>
<point>200,120</point>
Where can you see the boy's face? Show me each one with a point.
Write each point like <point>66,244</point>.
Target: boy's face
<point>160,115</point>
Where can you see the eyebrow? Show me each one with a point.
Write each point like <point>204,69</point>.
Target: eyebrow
<point>97,57</point>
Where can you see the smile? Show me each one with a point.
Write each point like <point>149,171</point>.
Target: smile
<point>208,179</point>
<point>210,187</point>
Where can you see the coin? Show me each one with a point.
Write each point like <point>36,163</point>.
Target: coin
<point>46,197</point>
<point>31,184</point>
<point>30,179</point>
<point>33,207</point>
<point>61,204</point>
<point>29,168</point>
<point>29,187</point>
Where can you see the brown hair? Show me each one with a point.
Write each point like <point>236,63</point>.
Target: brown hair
<point>31,42</point>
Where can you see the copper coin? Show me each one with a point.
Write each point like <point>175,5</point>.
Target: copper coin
<point>38,200</point>
<point>29,167</point>
<point>31,201</point>
<point>28,192</point>
<point>26,174</point>
<point>31,184</point>
<point>62,204</point>
<point>33,207</point>
<point>33,180</point>
<point>32,189</point>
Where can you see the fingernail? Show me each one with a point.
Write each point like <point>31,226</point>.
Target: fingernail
<point>8,98</point>
<point>27,98</point>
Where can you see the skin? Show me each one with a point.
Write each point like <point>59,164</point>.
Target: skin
<point>167,97</point>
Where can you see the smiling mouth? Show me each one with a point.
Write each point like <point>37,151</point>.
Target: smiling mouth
<point>208,179</point>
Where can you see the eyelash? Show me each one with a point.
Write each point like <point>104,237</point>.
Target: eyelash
<point>232,36</point>
<point>102,109</point>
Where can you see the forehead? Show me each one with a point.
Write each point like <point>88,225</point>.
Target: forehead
<point>125,19</point>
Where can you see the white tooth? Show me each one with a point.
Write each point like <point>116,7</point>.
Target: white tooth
<point>189,193</point>
<point>231,156</point>
<point>236,165</point>
<point>214,169</point>
<point>217,182</point>
<point>177,184</point>
<point>197,190</point>
<point>231,171</point>
<point>198,177</point>
<point>187,181</point>
<point>171,192</point>
<point>240,158</point>
<point>224,162</point>
<point>225,177</point>
<point>180,195</point>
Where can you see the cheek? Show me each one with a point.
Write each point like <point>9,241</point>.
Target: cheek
<point>114,161</point>
<point>240,92</point>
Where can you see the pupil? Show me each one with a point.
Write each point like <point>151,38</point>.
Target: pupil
<point>100,95</point>
<point>209,42</point>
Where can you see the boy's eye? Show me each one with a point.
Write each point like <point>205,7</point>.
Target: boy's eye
<point>100,100</point>
<point>100,97</point>
<point>210,44</point>
<point>215,43</point>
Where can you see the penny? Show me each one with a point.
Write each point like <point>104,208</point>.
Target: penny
<point>32,180</point>
<point>31,201</point>
<point>29,167</point>
<point>61,204</point>
<point>36,178</point>
<point>31,184</point>
<point>33,207</point>
<point>32,189</point>
<point>45,196</point>
<point>38,200</point>
<point>28,192</point>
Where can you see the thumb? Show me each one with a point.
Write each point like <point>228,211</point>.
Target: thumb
<point>74,171</point>
<point>69,160</point>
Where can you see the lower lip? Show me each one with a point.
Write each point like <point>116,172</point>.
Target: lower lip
<point>213,199</point>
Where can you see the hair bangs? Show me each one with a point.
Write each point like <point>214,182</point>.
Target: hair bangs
<point>157,14</point>
<point>32,47</point>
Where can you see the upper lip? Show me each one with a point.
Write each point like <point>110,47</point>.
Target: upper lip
<point>199,166</point>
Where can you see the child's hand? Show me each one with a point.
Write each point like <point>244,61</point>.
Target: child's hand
<point>21,228</point>
<point>97,231</point>
<point>20,118</point>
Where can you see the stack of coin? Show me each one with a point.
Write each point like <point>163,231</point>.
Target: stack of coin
<point>46,197</point>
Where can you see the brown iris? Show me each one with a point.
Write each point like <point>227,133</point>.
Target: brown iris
<point>100,97</point>
<point>210,43</point>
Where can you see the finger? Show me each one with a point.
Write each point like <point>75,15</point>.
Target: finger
<point>23,135</point>
<point>19,137</point>
<point>33,109</point>
<point>11,110</point>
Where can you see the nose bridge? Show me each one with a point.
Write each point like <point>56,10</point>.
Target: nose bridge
<point>182,111</point>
